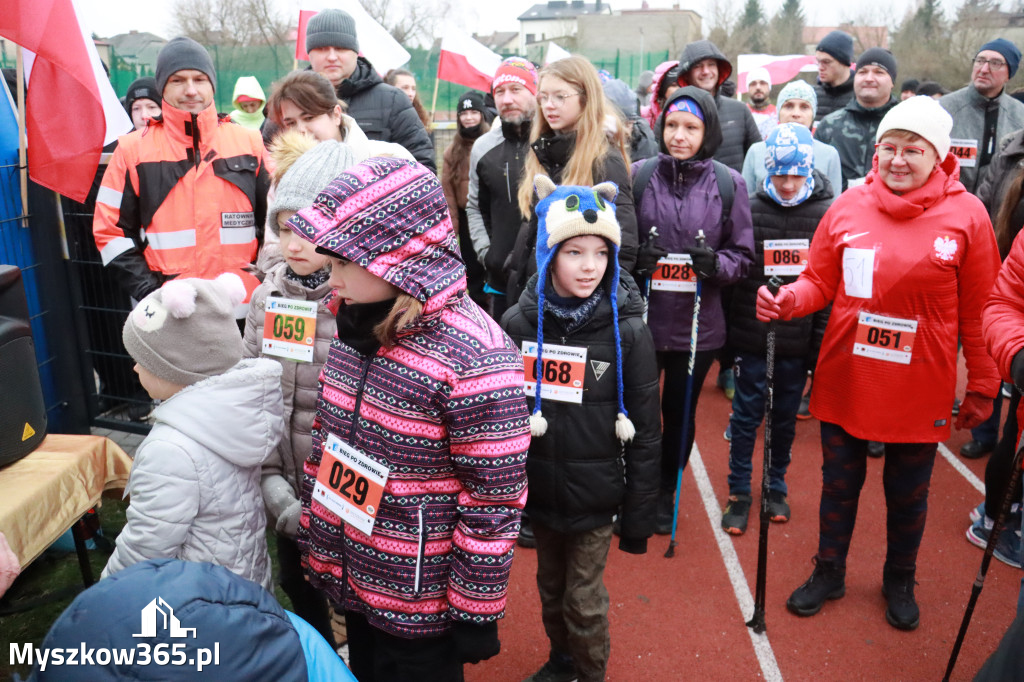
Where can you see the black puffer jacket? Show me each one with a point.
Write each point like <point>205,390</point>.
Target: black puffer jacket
<point>384,113</point>
<point>578,472</point>
<point>832,98</point>
<point>800,337</point>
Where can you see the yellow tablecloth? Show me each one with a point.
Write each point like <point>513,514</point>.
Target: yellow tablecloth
<point>45,493</point>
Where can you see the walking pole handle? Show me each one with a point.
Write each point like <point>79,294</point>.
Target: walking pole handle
<point>774,284</point>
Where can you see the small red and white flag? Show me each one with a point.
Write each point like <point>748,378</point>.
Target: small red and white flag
<point>555,52</point>
<point>62,65</point>
<point>375,43</point>
<point>465,61</point>
<point>782,68</point>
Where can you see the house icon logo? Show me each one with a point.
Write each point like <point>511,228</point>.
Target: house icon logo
<point>168,620</point>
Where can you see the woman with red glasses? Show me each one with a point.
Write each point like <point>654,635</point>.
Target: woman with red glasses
<point>907,260</point>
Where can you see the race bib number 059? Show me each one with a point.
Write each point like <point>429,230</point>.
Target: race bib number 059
<point>885,338</point>
<point>785,256</point>
<point>562,374</point>
<point>289,328</point>
<point>350,484</point>
<point>674,273</point>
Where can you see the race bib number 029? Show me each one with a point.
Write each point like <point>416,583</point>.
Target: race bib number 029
<point>350,484</point>
<point>562,374</point>
<point>674,273</point>
<point>289,328</point>
<point>885,338</point>
<point>785,256</point>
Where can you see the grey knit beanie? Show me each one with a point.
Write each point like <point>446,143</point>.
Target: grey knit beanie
<point>185,331</point>
<point>332,28</point>
<point>183,53</point>
<point>307,177</point>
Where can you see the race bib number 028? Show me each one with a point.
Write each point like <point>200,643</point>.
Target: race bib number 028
<point>885,338</point>
<point>289,328</point>
<point>562,374</point>
<point>785,256</point>
<point>674,273</point>
<point>350,484</point>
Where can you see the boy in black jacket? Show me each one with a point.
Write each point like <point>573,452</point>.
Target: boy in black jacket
<point>596,445</point>
<point>785,211</point>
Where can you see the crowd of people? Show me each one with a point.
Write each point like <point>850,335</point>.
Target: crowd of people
<point>404,375</point>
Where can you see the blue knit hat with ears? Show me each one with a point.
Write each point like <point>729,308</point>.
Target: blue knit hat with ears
<point>563,213</point>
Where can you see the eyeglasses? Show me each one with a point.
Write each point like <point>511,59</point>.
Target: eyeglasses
<point>556,98</point>
<point>887,151</point>
<point>994,64</point>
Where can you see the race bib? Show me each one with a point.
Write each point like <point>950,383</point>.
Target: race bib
<point>674,273</point>
<point>350,484</point>
<point>562,374</point>
<point>289,328</point>
<point>885,338</point>
<point>785,256</point>
<point>966,151</point>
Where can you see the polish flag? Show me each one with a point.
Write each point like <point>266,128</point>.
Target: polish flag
<point>782,68</point>
<point>555,52</point>
<point>465,61</point>
<point>375,43</point>
<point>71,110</point>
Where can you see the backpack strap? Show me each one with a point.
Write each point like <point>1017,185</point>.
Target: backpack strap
<point>642,179</point>
<point>726,188</point>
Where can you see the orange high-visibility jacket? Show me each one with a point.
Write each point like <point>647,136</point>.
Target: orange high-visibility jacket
<point>186,196</point>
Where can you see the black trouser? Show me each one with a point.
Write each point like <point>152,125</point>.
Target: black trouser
<point>997,470</point>
<point>307,602</point>
<point>673,401</point>
<point>377,656</point>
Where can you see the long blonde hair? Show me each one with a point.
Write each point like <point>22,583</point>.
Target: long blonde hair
<point>591,140</point>
<point>404,312</point>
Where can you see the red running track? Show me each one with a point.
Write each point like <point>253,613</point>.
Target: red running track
<point>680,618</point>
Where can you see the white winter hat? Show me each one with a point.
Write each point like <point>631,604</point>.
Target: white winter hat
<point>922,116</point>
<point>759,74</point>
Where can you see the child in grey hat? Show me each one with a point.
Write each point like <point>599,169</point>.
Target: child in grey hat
<point>195,483</point>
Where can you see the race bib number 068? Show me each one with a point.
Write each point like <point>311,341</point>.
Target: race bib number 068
<point>562,374</point>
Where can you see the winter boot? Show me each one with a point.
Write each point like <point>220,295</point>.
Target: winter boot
<point>898,590</point>
<point>559,668</point>
<point>663,520</point>
<point>828,581</point>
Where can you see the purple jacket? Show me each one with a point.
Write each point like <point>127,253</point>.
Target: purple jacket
<point>681,198</point>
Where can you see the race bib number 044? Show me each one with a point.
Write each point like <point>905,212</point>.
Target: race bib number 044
<point>289,328</point>
<point>350,484</point>
<point>785,256</point>
<point>885,338</point>
<point>674,273</point>
<point>562,374</point>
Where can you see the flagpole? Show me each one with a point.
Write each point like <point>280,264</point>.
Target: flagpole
<point>437,82</point>
<point>22,139</point>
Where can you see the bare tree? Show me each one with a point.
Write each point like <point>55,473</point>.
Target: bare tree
<point>230,22</point>
<point>411,21</point>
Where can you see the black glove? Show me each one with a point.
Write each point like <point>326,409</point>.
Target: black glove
<point>1017,370</point>
<point>633,545</point>
<point>705,261</point>
<point>475,643</point>
<point>647,258</point>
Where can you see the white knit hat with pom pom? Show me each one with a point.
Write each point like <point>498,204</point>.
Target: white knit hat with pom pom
<point>185,331</point>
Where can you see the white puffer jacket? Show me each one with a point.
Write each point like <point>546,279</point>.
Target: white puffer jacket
<point>195,483</point>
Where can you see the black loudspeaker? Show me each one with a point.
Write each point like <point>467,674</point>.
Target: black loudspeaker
<point>22,410</point>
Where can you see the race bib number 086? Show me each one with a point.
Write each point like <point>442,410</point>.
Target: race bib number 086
<point>785,256</point>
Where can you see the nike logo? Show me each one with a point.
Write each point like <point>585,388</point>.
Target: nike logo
<point>847,237</point>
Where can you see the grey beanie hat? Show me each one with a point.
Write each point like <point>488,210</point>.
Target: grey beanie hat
<point>185,331</point>
<point>179,54</point>
<point>332,28</point>
<point>307,177</point>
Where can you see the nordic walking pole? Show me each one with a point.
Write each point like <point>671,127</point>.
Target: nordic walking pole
<point>756,622</point>
<point>979,581</point>
<point>671,551</point>
<point>653,234</point>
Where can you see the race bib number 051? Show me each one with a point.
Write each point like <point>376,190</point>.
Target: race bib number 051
<point>289,328</point>
<point>562,374</point>
<point>674,273</point>
<point>885,338</point>
<point>785,256</point>
<point>350,484</point>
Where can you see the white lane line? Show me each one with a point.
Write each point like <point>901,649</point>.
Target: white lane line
<point>962,468</point>
<point>762,647</point>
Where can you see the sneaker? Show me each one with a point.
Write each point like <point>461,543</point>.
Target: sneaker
<point>898,589</point>
<point>526,537</point>
<point>727,383</point>
<point>978,512</point>
<point>805,407</point>
<point>875,449</point>
<point>663,518</point>
<point>1007,390</point>
<point>828,581</point>
<point>974,449</point>
<point>778,506</point>
<point>735,514</point>
<point>558,668</point>
<point>956,406</point>
<point>1007,547</point>
<point>728,429</point>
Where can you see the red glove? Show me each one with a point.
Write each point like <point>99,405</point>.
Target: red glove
<point>779,307</point>
<point>975,409</point>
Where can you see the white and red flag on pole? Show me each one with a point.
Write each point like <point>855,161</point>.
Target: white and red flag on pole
<point>71,110</point>
<point>782,68</point>
<point>465,61</point>
<point>375,43</point>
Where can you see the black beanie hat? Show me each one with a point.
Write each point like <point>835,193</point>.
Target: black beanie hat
<point>179,54</point>
<point>839,44</point>
<point>879,56</point>
<point>471,99</point>
<point>141,88</point>
<point>332,28</point>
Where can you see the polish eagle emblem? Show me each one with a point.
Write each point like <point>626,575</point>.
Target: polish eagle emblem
<point>945,248</point>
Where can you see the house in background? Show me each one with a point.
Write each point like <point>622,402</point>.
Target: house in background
<point>556,20</point>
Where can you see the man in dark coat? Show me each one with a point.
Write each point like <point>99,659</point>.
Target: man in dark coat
<point>834,88</point>
<point>382,111</point>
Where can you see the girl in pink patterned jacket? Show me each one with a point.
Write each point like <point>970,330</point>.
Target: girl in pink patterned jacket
<point>412,495</point>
